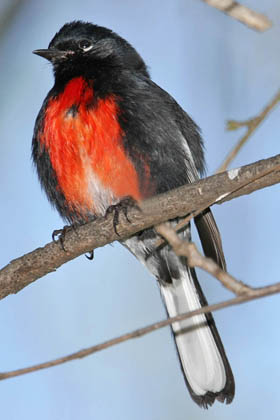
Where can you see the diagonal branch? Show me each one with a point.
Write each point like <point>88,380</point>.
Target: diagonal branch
<point>179,202</point>
<point>237,11</point>
<point>251,295</point>
<point>195,259</point>
<point>184,222</point>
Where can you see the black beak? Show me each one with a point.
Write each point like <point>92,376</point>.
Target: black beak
<point>52,55</point>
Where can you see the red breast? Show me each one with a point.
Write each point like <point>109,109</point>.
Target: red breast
<point>86,149</point>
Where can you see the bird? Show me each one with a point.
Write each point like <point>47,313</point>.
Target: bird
<point>107,134</point>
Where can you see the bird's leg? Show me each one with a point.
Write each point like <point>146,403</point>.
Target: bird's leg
<point>123,206</point>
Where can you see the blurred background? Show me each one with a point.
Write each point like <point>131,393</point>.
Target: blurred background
<point>217,69</point>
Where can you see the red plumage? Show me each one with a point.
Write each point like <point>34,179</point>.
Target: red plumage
<point>86,149</point>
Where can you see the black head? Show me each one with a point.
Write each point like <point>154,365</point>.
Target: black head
<point>81,48</point>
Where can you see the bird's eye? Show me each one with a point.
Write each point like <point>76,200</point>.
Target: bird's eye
<point>85,45</point>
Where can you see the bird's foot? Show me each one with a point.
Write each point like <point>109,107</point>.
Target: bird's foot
<point>58,235</point>
<point>122,207</point>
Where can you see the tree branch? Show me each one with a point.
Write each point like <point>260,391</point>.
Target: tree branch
<point>251,125</point>
<point>249,17</point>
<point>195,259</point>
<point>179,202</point>
<point>253,294</point>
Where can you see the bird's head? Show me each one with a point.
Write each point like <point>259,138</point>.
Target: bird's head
<point>81,48</point>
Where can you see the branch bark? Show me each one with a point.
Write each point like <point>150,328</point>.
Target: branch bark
<point>196,259</point>
<point>237,11</point>
<point>187,199</point>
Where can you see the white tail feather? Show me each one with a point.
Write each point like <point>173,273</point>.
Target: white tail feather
<point>200,357</point>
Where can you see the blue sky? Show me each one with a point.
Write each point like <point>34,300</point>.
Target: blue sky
<point>217,69</point>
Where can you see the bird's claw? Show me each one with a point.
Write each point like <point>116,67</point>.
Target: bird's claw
<point>90,255</point>
<point>58,235</point>
<point>122,207</point>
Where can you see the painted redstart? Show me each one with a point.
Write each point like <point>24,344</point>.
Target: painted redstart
<point>106,131</point>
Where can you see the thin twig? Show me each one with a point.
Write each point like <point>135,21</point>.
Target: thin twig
<point>195,259</point>
<point>251,125</point>
<point>254,294</point>
<point>237,11</point>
